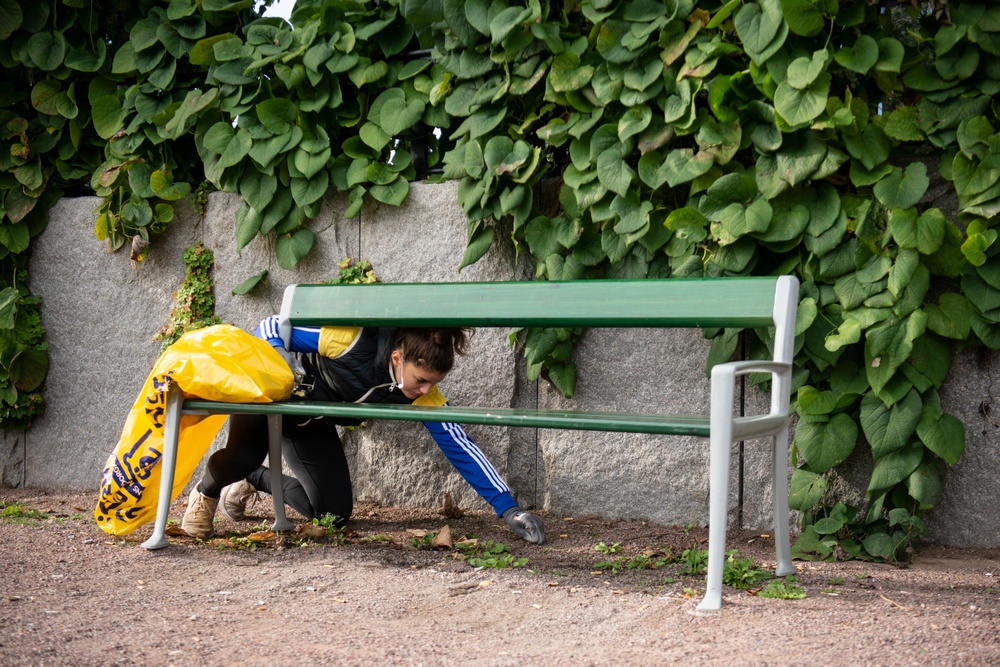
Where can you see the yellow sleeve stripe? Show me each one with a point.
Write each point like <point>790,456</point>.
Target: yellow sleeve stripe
<point>335,341</point>
<point>433,397</point>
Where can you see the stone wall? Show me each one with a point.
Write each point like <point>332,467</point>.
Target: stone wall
<point>101,314</point>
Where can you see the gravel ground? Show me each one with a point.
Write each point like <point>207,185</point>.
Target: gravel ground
<point>72,595</point>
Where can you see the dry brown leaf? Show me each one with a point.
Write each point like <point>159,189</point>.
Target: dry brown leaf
<point>173,530</point>
<point>443,539</point>
<point>467,542</point>
<point>309,530</point>
<point>416,532</point>
<point>261,536</point>
<point>450,509</point>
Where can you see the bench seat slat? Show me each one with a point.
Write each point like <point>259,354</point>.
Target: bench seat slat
<point>563,419</point>
<point>677,302</point>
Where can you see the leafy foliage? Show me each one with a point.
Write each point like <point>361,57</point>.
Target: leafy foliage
<point>194,300</point>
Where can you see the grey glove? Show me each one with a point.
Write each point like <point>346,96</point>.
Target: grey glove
<point>528,526</point>
<point>298,371</point>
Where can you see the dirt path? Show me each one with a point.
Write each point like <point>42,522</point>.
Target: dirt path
<point>71,595</point>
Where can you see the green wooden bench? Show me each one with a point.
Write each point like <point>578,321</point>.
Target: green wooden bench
<point>720,302</point>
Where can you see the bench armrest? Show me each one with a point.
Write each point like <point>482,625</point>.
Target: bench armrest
<point>755,366</point>
<point>724,376</point>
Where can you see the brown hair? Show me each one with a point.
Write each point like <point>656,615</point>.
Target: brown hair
<point>432,349</point>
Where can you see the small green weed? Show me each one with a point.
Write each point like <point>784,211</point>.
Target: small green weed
<point>992,590</point>
<point>693,561</point>
<point>424,542</point>
<point>15,513</point>
<point>835,581</point>
<point>605,548</point>
<point>645,561</point>
<point>787,589</point>
<point>742,572</point>
<point>333,527</point>
<point>495,556</point>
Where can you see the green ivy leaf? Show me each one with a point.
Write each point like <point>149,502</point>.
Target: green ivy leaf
<point>895,467</point>
<point>9,297</point>
<point>248,223</point>
<point>926,486</point>
<point>10,17</point>
<point>305,191</point>
<point>47,50</point>
<point>680,166</point>
<point>758,26</point>
<point>614,173</point>
<point>803,72</point>
<point>951,317</point>
<point>291,248</point>
<point>902,125</point>
<point>563,376</point>
<point>848,333</point>
<point>568,73</point>
<point>806,488</point>
<point>889,429</point>
<point>163,186</point>
<point>858,58</point>
<point>393,194</point>
<point>277,114</point>
<point>944,435</point>
<point>808,17</point>
<point>395,113</point>
<point>257,188</point>
<point>826,444</point>
<point>890,55</point>
<point>28,369</point>
<point>481,237</point>
<point>903,189</point>
<point>800,107</point>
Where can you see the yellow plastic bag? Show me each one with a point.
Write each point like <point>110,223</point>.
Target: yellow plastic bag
<point>218,363</point>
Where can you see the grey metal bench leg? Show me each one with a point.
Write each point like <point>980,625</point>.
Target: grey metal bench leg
<point>168,462</point>
<point>277,481</point>
<point>782,543</point>
<point>718,499</point>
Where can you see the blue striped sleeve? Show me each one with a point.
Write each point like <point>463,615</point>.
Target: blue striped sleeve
<point>304,339</point>
<point>472,464</point>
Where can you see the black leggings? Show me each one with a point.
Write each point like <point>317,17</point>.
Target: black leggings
<point>312,450</point>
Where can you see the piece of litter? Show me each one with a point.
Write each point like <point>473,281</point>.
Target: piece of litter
<point>537,606</point>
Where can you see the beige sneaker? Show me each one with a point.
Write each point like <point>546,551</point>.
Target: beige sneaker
<point>235,498</point>
<point>197,521</point>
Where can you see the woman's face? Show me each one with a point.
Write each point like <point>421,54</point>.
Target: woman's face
<point>416,380</point>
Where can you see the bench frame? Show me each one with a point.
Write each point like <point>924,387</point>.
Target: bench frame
<point>713,302</point>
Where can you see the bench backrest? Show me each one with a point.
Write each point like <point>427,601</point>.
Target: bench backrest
<point>677,302</point>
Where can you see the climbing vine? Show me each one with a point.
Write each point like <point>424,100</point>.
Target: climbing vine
<point>852,143</point>
<point>194,299</point>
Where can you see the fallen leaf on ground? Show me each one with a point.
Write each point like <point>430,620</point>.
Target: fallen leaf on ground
<point>173,530</point>
<point>416,532</point>
<point>309,530</point>
<point>443,539</point>
<point>262,535</point>
<point>450,509</point>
